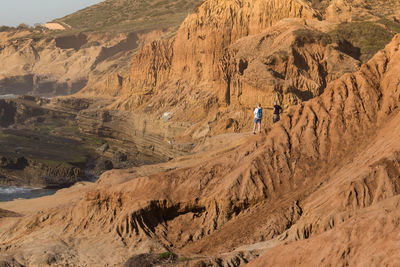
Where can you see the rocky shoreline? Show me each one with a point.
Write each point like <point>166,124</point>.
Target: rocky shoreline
<point>23,172</point>
<point>48,146</point>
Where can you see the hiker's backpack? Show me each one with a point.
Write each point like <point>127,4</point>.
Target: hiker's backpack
<point>259,113</point>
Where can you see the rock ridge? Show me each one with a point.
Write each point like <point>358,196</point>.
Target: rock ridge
<point>190,208</point>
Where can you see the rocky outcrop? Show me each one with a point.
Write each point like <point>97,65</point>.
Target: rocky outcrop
<point>63,65</point>
<point>33,131</point>
<point>194,54</point>
<point>25,172</point>
<point>153,139</point>
<point>198,75</point>
<point>145,138</point>
<point>12,111</point>
<point>284,184</point>
<point>290,63</point>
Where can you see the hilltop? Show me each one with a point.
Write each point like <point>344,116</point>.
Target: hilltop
<point>100,40</point>
<point>118,16</point>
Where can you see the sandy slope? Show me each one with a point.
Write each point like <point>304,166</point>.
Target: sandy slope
<point>353,218</point>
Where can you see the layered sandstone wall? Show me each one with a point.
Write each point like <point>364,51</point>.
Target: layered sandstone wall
<point>289,63</point>
<point>203,36</point>
<point>325,163</point>
<point>51,66</point>
<point>183,76</point>
<point>195,52</point>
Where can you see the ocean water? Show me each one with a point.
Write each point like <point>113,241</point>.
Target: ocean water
<point>8,193</point>
<point>8,96</point>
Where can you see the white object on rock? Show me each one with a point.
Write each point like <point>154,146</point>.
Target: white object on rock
<point>167,116</point>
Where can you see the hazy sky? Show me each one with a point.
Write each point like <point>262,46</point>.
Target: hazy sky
<point>15,12</point>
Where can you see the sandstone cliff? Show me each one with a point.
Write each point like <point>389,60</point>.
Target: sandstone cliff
<point>303,192</point>
<point>193,58</point>
<point>325,163</point>
<point>50,66</point>
<point>99,41</point>
<point>201,76</point>
<point>289,63</point>
<point>191,75</point>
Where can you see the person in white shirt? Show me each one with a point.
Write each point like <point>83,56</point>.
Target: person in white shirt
<point>257,118</point>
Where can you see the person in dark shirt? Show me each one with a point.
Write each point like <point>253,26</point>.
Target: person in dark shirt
<point>277,110</point>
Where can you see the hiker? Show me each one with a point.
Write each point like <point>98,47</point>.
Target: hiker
<point>257,118</point>
<point>277,110</point>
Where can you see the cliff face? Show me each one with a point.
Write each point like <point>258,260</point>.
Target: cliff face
<point>202,38</point>
<point>183,76</point>
<point>200,75</point>
<point>327,161</point>
<point>50,66</point>
<point>289,63</point>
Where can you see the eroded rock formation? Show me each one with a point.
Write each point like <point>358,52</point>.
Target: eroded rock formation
<point>271,184</point>
<point>308,188</point>
<point>206,75</point>
<point>191,59</point>
<point>290,63</point>
<point>47,66</point>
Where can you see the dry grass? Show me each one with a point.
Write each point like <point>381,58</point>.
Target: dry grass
<point>130,15</point>
<point>368,36</point>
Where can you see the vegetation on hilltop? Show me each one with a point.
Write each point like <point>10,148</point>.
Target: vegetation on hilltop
<point>371,25</point>
<point>130,15</point>
<point>377,8</point>
<point>319,5</point>
<point>368,36</point>
<point>117,16</point>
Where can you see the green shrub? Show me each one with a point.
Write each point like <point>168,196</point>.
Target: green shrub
<point>130,15</point>
<point>369,36</point>
<point>6,29</point>
<point>166,255</point>
<point>391,25</point>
